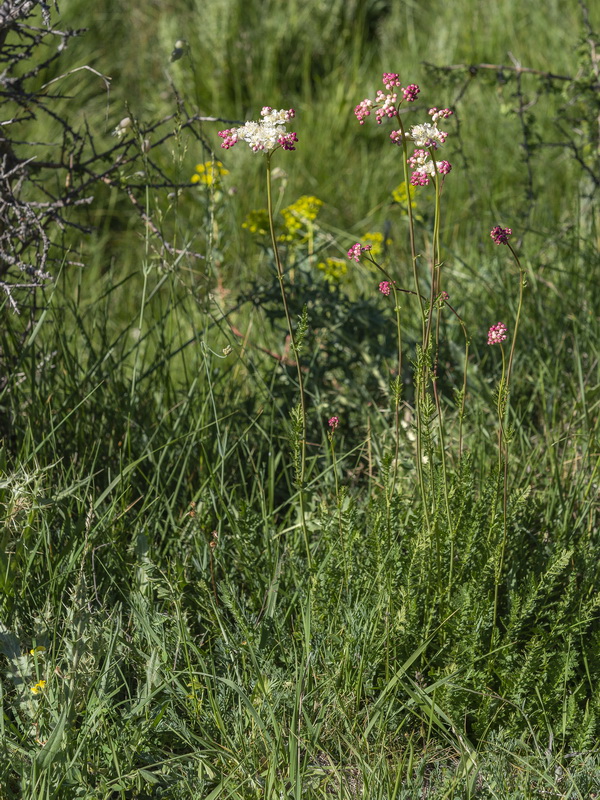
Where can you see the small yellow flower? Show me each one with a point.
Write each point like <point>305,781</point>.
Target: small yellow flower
<point>399,196</point>
<point>39,649</point>
<point>257,222</point>
<point>375,240</point>
<point>208,173</point>
<point>299,215</point>
<point>333,269</point>
<point>40,686</point>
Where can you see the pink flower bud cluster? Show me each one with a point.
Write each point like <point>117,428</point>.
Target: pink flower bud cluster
<point>497,333</point>
<point>386,105</point>
<point>390,80</point>
<point>500,235</point>
<point>385,287</point>
<point>287,140</point>
<point>418,159</point>
<point>411,92</point>
<point>229,137</point>
<point>419,178</point>
<point>333,422</point>
<point>439,113</point>
<point>426,168</point>
<point>356,250</point>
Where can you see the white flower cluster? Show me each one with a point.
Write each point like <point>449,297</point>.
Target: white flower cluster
<point>427,135</point>
<point>267,134</point>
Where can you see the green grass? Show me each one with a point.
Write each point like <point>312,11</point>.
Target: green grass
<point>153,568</point>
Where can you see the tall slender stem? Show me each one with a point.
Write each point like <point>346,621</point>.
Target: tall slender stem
<point>503,410</point>
<point>280,275</point>
<point>420,383</point>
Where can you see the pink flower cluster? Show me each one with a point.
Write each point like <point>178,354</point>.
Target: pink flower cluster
<point>288,140</point>
<point>425,168</point>
<point>333,422</point>
<point>355,251</point>
<point>500,235</point>
<point>439,113</point>
<point>386,105</point>
<point>385,287</point>
<point>497,333</point>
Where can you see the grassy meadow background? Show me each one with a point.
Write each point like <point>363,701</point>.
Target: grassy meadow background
<point>162,632</point>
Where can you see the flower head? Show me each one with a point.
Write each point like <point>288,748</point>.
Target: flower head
<point>427,135</point>
<point>257,222</point>
<point>208,173</point>
<point>355,251</point>
<point>500,235</point>
<point>425,167</point>
<point>299,216</point>
<point>122,128</point>
<point>410,93</point>
<point>268,134</point>
<point>40,685</point>
<point>333,269</point>
<point>386,103</point>
<point>439,113</point>
<point>497,333</point>
<point>333,422</point>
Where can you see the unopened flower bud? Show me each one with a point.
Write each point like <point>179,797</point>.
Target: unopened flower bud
<point>178,50</point>
<point>122,127</point>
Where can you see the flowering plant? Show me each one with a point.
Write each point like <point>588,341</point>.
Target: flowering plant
<point>266,135</point>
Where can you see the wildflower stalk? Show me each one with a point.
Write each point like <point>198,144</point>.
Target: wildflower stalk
<point>436,299</point>
<point>413,253</point>
<point>333,423</point>
<point>503,410</point>
<point>411,222</point>
<point>501,404</point>
<point>296,353</point>
<point>397,384</point>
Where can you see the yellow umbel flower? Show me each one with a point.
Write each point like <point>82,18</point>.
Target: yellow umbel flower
<point>400,196</point>
<point>333,269</point>
<point>257,222</point>
<point>375,241</point>
<point>298,216</point>
<point>208,173</point>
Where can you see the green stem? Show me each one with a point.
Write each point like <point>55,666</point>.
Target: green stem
<point>503,410</point>
<point>398,388</point>
<point>502,461</point>
<point>339,506</point>
<point>288,318</point>
<point>421,383</point>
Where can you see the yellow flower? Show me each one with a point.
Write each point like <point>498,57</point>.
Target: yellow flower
<point>296,219</point>
<point>299,215</point>
<point>375,240</point>
<point>39,649</point>
<point>399,196</point>
<point>333,269</point>
<point>257,222</point>
<point>208,173</point>
<point>40,685</point>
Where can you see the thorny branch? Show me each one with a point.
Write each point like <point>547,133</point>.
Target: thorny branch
<point>40,195</point>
